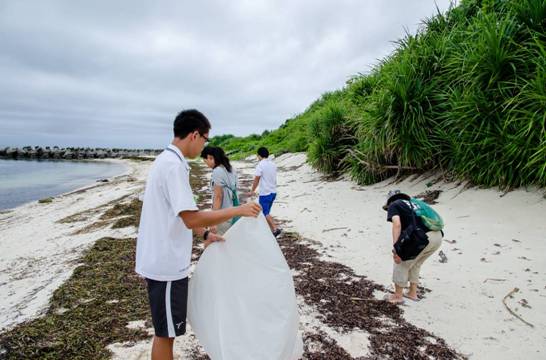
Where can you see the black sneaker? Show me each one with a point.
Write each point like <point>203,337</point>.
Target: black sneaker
<point>277,232</point>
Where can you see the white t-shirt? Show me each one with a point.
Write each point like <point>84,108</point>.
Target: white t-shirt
<point>267,171</point>
<point>164,243</point>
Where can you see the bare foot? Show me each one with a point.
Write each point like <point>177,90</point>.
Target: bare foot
<point>411,296</point>
<point>394,299</point>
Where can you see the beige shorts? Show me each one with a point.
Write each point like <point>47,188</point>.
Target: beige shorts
<point>409,270</point>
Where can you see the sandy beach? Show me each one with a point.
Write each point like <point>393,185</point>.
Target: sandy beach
<point>494,244</point>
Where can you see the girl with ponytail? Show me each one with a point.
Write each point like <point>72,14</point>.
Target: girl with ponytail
<point>223,183</point>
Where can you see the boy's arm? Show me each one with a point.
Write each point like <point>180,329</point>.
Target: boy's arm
<point>194,219</point>
<point>211,236</point>
<point>396,230</point>
<point>255,184</point>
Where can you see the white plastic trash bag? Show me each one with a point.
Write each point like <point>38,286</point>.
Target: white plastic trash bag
<point>241,302</point>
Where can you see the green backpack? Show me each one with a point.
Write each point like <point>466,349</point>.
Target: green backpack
<point>428,215</point>
<point>235,200</point>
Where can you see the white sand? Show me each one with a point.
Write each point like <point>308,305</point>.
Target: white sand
<point>465,305</point>
<point>39,253</point>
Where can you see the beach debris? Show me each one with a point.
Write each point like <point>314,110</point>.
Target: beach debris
<point>126,214</point>
<point>443,257</point>
<point>305,209</point>
<point>497,245</point>
<point>336,228</point>
<point>492,279</point>
<point>429,196</point>
<point>450,241</point>
<point>346,302</point>
<point>60,311</point>
<point>525,303</point>
<point>88,213</point>
<point>319,346</point>
<point>524,258</point>
<point>510,295</point>
<point>354,298</point>
<point>46,200</point>
<point>106,272</point>
<point>516,240</point>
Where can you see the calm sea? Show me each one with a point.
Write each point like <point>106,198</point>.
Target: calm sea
<point>22,181</point>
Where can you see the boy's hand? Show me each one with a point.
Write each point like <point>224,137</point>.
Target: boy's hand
<point>396,258</point>
<point>212,237</point>
<point>214,229</point>
<point>250,209</point>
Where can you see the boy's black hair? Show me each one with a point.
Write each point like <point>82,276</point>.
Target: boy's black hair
<point>188,121</point>
<point>263,152</point>
<point>220,157</point>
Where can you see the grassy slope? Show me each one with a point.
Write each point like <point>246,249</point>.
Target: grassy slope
<point>466,95</point>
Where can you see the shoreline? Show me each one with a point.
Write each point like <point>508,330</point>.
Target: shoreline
<point>124,172</point>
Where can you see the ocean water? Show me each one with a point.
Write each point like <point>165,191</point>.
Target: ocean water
<point>22,181</point>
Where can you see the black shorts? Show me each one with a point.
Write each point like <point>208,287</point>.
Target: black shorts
<point>168,302</point>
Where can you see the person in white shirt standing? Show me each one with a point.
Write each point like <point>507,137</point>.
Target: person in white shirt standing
<point>266,177</point>
<point>169,214</point>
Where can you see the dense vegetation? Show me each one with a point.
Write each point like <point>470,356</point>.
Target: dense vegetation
<point>465,95</point>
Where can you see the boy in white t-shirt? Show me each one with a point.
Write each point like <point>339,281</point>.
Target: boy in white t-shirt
<point>266,177</point>
<point>169,214</point>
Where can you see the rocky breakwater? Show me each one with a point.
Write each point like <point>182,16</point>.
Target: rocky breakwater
<point>73,153</point>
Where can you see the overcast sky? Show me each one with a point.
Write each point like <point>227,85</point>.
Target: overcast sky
<point>115,73</point>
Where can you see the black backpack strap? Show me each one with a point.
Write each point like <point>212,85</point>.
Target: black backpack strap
<point>413,214</point>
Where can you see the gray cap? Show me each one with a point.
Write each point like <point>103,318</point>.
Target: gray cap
<point>394,195</point>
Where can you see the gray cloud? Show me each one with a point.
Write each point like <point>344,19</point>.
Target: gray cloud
<point>115,73</point>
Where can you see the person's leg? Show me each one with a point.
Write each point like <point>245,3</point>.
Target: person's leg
<point>270,222</point>
<point>162,348</point>
<point>412,293</point>
<point>400,276</point>
<point>274,228</point>
<point>266,202</point>
<point>398,292</point>
<point>168,304</point>
<point>435,241</point>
